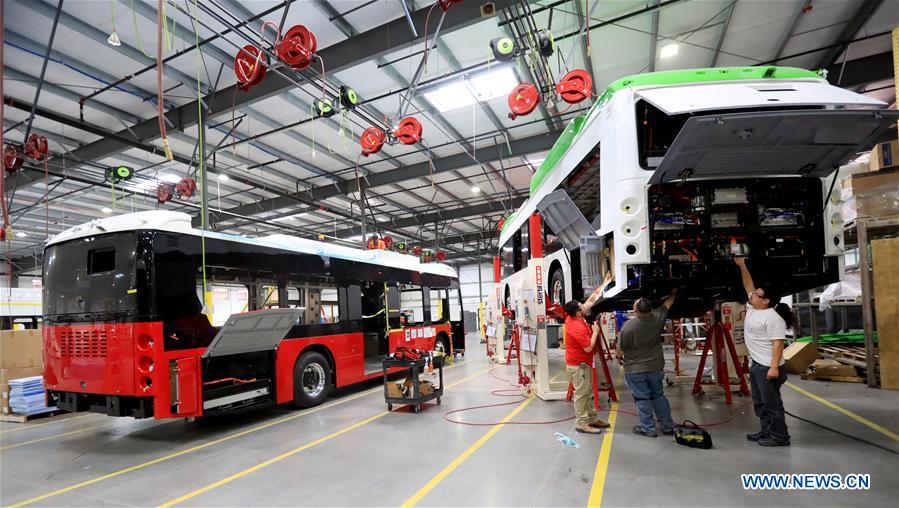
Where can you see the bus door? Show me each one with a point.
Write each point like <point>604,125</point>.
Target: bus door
<point>457,321</point>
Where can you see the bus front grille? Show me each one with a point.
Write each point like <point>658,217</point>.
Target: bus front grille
<point>82,343</point>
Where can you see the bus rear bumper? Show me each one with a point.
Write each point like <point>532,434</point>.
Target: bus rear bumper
<point>112,405</point>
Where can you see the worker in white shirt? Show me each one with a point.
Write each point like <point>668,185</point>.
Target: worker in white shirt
<point>764,332</point>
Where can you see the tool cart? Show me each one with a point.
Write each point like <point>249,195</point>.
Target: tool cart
<point>410,392</point>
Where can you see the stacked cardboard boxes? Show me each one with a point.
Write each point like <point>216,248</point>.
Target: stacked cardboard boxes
<point>20,356</point>
<point>872,191</point>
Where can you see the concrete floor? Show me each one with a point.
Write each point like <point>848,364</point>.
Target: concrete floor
<point>351,452</point>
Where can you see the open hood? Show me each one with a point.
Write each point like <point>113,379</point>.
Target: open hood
<point>771,143</point>
<point>674,100</point>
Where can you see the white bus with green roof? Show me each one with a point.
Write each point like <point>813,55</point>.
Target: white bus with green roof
<point>669,170</point>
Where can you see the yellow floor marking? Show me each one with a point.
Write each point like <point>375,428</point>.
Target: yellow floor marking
<point>198,447</point>
<point>605,453</point>
<point>241,474</point>
<point>461,458</point>
<point>36,425</point>
<point>864,421</point>
<point>16,445</point>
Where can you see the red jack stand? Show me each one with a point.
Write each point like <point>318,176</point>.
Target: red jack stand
<point>717,336</point>
<point>678,344</point>
<point>515,343</point>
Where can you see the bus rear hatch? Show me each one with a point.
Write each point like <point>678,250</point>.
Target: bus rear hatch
<point>770,143</point>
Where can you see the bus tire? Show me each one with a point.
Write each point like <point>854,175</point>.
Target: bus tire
<point>311,380</point>
<point>443,340</point>
<point>557,278</point>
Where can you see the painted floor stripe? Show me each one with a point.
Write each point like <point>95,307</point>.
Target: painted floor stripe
<point>257,467</point>
<point>412,501</point>
<point>27,426</point>
<point>193,449</point>
<point>605,453</point>
<point>860,419</point>
<point>55,436</point>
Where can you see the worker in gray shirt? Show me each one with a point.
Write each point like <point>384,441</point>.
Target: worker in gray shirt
<point>640,345</point>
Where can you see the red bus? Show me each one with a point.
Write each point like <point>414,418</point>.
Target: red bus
<point>125,331</point>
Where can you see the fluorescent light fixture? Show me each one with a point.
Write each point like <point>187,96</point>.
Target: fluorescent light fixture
<point>668,50</point>
<point>475,189</point>
<point>495,83</point>
<point>170,178</point>
<point>357,238</point>
<point>482,86</point>
<point>106,209</point>
<point>290,217</point>
<point>21,234</point>
<point>223,178</point>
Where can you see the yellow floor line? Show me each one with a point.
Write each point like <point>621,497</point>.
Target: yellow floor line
<point>412,501</point>
<point>241,474</point>
<point>36,425</point>
<point>864,421</point>
<point>199,447</point>
<point>55,436</point>
<point>605,453</point>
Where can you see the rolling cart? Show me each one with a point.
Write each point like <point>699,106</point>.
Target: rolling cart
<point>415,398</point>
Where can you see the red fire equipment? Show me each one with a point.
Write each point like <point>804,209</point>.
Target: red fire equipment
<point>575,86</point>
<point>445,4</point>
<point>164,192</point>
<point>372,140</point>
<point>250,66</point>
<point>297,47</point>
<point>409,131</point>
<point>523,100</point>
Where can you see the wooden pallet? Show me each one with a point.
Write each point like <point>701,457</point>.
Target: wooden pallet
<point>841,379</point>
<point>854,355</point>
<point>14,418</point>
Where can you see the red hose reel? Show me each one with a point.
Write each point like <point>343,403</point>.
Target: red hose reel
<point>250,66</point>
<point>372,140</point>
<point>523,100</point>
<point>408,132</point>
<point>13,158</point>
<point>36,147</point>
<point>297,47</point>
<point>575,86</point>
<point>186,188</point>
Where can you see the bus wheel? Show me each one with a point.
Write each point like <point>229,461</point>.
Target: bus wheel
<point>311,380</point>
<point>557,287</point>
<point>442,343</point>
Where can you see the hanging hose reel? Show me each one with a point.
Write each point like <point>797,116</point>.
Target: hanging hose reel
<point>13,158</point>
<point>36,147</point>
<point>408,132</point>
<point>575,86</point>
<point>250,66</point>
<point>372,140</point>
<point>186,188</point>
<point>297,47</point>
<point>523,100</point>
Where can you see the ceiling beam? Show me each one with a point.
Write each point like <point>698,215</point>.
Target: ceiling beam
<point>723,34</point>
<point>861,16</point>
<point>788,34</point>
<point>653,36</point>
<point>428,219</point>
<point>389,37</point>
<point>523,146</point>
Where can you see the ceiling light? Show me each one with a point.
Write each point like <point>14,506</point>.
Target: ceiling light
<point>21,234</point>
<point>357,238</point>
<point>113,39</point>
<point>490,85</point>
<point>223,178</point>
<point>106,209</point>
<point>482,86</point>
<point>475,189</point>
<point>170,178</point>
<point>668,50</point>
<point>290,217</point>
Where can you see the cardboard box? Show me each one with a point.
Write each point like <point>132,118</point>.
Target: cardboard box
<point>884,155</point>
<point>798,356</point>
<point>425,387</point>
<point>395,390</point>
<point>874,195</point>
<point>21,348</point>
<point>828,368</point>
<point>6,375</point>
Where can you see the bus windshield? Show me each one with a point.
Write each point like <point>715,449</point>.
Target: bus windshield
<point>91,275</point>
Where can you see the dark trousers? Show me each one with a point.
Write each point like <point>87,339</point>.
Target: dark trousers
<point>769,407</point>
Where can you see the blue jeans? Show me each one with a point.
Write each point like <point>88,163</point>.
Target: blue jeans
<point>768,405</point>
<point>647,390</point>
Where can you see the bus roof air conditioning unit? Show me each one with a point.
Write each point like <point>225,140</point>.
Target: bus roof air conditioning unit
<point>565,219</point>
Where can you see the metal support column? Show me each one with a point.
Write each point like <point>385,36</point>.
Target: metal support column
<point>865,268</point>
<point>40,81</point>
<point>813,320</point>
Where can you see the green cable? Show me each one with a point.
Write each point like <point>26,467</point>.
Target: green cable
<point>202,163</point>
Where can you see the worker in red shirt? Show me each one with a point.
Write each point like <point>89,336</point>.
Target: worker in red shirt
<point>580,343</point>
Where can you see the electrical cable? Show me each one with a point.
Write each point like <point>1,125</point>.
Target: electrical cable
<point>160,94</point>
<point>850,436</point>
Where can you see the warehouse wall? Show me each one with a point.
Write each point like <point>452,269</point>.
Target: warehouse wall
<point>468,284</point>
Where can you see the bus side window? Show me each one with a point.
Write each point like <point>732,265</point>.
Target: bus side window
<point>411,308</point>
<point>455,304</point>
<point>439,306</point>
<point>328,306</point>
<point>350,302</point>
<point>427,317</point>
<point>227,299</point>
